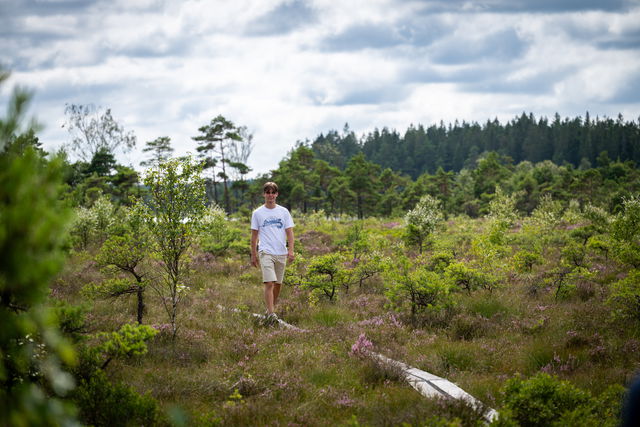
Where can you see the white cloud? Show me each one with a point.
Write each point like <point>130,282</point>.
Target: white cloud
<point>291,69</point>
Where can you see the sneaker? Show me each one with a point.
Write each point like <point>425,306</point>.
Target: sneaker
<point>271,319</point>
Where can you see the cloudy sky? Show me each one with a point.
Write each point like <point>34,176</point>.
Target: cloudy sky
<point>291,69</point>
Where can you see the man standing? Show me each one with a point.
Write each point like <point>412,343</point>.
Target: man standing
<point>271,245</point>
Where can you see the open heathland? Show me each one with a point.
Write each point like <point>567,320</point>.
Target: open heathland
<point>507,307</point>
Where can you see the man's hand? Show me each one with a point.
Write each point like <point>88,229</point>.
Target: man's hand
<point>254,260</point>
<point>291,256</point>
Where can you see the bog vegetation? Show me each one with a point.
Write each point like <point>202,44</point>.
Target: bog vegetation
<point>129,303</point>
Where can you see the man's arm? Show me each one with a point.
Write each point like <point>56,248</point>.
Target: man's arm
<point>254,248</point>
<point>291,255</point>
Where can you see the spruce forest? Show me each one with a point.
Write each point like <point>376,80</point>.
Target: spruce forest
<point>502,257</point>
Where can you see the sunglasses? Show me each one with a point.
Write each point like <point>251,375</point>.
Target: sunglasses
<point>270,192</point>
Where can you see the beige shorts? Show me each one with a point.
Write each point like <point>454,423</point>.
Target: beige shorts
<point>272,267</point>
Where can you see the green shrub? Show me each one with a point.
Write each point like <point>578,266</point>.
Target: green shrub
<point>625,230</point>
<point>544,400</point>
<point>468,278</point>
<point>217,236</point>
<point>102,403</point>
<point>525,260</point>
<point>439,261</point>
<point>625,297</point>
<point>422,221</point>
<point>327,274</point>
<point>420,290</point>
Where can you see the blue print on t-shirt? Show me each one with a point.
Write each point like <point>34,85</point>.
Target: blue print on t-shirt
<point>273,222</point>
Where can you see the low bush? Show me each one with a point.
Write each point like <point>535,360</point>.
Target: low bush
<point>102,403</point>
<point>544,400</point>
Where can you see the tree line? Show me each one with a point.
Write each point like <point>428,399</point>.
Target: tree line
<point>380,174</point>
<point>364,188</point>
<point>456,146</point>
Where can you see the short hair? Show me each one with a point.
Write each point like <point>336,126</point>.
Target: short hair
<point>270,186</point>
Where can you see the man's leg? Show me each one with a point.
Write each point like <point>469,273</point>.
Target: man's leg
<point>276,292</point>
<point>279,264</point>
<point>269,299</point>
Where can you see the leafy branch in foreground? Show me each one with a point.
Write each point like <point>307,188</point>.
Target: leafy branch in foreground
<point>33,230</point>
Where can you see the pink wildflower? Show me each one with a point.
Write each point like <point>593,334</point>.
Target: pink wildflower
<point>361,346</point>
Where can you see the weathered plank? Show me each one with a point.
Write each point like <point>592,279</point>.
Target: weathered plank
<point>431,386</point>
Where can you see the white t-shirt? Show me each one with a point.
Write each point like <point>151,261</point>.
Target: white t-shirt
<point>271,225</point>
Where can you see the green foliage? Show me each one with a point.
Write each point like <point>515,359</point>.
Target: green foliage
<point>625,297</point>
<point>357,240</point>
<point>565,279</point>
<point>84,224</point>
<point>364,183</point>
<point>215,145</point>
<point>367,266</point>
<point>177,202</point>
<point>160,149</point>
<point>423,220</point>
<point>128,341</point>
<point>90,225</point>
<point>547,215</point>
<point>524,260</point>
<point>416,288</point>
<point>103,403</point>
<point>546,400</point>
<point>439,261</point>
<point>327,274</point>
<point>468,278</point>
<point>33,230</point>
<point>573,255</point>
<point>502,215</point>
<point>217,235</point>
<point>71,320</point>
<point>124,250</point>
<point>625,230</point>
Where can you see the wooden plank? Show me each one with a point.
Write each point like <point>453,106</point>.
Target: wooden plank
<point>433,386</point>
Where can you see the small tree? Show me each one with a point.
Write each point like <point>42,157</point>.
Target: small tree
<point>128,341</point>
<point>368,266</point>
<point>502,215</point>
<point>326,274</point>
<point>357,240</point>
<point>423,220</point>
<point>124,251</point>
<point>177,201</point>
<point>419,289</point>
<point>90,224</point>
<point>468,278</point>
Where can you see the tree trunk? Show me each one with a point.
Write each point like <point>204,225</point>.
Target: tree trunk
<point>140,304</point>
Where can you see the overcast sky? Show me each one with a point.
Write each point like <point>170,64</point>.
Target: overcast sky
<point>289,70</point>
